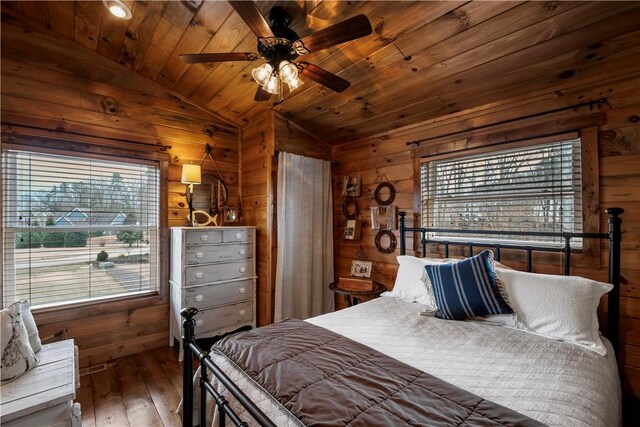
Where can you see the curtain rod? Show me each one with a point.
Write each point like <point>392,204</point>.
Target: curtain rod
<point>158,145</point>
<point>589,104</point>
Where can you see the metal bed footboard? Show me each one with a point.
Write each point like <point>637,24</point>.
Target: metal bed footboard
<point>614,236</point>
<point>191,350</point>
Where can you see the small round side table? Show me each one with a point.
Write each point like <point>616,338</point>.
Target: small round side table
<point>353,297</point>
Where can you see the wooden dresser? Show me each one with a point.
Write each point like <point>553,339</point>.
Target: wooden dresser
<point>214,270</point>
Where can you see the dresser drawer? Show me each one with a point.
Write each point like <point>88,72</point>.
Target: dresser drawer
<point>200,237</point>
<point>208,254</point>
<point>224,293</point>
<point>223,317</point>
<point>237,235</point>
<point>201,274</point>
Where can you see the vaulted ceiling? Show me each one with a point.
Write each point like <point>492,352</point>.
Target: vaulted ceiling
<point>423,60</point>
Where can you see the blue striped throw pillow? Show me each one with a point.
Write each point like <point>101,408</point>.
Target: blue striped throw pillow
<point>467,288</point>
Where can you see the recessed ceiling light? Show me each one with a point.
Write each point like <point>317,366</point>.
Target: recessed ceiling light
<point>117,8</point>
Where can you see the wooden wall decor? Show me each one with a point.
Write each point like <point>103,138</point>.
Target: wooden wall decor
<point>388,218</point>
<point>350,208</point>
<point>352,186</point>
<point>386,242</point>
<point>351,230</point>
<point>384,194</point>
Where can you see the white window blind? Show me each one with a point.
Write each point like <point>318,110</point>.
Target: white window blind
<point>531,189</point>
<point>77,228</point>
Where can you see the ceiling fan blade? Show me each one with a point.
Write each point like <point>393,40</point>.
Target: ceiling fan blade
<point>349,29</point>
<point>323,77</point>
<point>261,95</point>
<point>193,58</point>
<point>252,16</point>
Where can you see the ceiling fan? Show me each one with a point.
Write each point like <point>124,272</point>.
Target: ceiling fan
<point>279,45</point>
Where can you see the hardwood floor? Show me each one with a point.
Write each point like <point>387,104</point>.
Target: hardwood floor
<point>139,390</point>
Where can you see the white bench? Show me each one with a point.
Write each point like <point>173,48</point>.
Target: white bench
<point>44,395</point>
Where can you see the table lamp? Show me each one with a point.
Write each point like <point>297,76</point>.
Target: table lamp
<point>191,175</point>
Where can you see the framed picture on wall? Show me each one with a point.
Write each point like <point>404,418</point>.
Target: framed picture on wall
<point>352,186</point>
<point>351,231</point>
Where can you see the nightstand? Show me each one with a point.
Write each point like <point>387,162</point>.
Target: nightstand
<point>352,297</point>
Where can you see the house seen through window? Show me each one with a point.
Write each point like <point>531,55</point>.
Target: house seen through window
<point>532,189</point>
<point>77,228</point>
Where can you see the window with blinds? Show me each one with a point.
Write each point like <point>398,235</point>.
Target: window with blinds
<point>77,228</point>
<point>531,189</point>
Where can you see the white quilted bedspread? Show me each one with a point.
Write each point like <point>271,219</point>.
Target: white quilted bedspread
<point>556,383</point>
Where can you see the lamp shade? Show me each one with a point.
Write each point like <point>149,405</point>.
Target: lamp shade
<point>262,73</point>
<point>191,174</point>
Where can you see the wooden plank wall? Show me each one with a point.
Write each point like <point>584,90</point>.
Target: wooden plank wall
<point>55,86</point>
<point>291,138</point>
<point>618,141</point>
<point>257,202</point>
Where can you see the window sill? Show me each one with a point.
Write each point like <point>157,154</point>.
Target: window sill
<point>84,309</point>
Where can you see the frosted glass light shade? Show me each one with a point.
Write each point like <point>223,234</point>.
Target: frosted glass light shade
<point>294,83</point>
<point>262,73</point>
<point>272,85</point>
<point>191,174</point>
<point>288,71</point>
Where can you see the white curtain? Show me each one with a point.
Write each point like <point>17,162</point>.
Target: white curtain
<point>305,238</point>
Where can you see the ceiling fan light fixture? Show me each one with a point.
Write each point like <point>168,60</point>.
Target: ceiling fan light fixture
<point>272,85</point>
<point>262,73</point>
<point>118,8</point>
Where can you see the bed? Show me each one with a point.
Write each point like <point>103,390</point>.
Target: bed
<point>547,381</point>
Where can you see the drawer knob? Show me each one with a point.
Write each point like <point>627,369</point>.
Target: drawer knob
<point>204,237</point>
<point>199,255</point>
<point>242,252</point>
<point>242,313</point>
<point>242,290</point>
<point>199,297</point>
<point>199,322</point>
<point>199,275</point>
<point>238,236</point>
<point>243,269</point>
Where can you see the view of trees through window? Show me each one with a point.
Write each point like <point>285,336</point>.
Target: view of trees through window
<point>532,189</point>
<point>77,228</point>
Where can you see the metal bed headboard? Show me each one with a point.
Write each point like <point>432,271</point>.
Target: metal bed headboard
<point>614,236</point>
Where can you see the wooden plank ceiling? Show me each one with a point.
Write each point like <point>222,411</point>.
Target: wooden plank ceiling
<point>423,60</point>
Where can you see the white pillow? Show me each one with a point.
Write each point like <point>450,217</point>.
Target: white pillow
<point>30,324</point>
<point>409,284</point>
<point>562,308</point>
<point>17,355</point>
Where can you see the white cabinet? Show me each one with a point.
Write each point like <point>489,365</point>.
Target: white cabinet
<point>214,270</point>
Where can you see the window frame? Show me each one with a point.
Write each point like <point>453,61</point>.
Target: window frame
<point>589,254</point>
<point>100,149</point>
<point>575,218</point>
